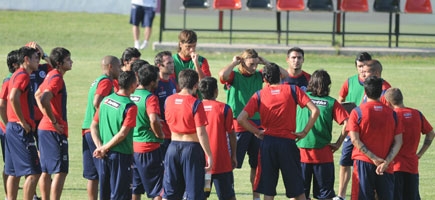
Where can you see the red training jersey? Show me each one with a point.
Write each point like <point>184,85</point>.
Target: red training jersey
<point>180,115</point>
<point>20,80</point>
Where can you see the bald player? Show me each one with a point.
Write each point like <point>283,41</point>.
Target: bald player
<point>100,88</point>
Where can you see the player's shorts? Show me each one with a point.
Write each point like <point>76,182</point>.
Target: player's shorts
<point>53,152</point>
<point>21,156</point>
<point>184,163</point>
<point>247,143</point>
<point>346,152</point>
<point>164,146</point>
<point>406,186</point>
<point>116,176</point>
<point>224,185</point>
<point>141,14</point>
<point>364,188</point>
<point>279,154</point>
<point>323,182</point>
<point>2,141</point>
<point>91,165</point>
<point>148,173</point>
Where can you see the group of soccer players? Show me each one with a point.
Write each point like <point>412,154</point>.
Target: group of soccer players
<point>157,128</point>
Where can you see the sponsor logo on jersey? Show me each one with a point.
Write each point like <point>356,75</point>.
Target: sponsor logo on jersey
<point>320,102</point>
<point>112,103</point>
<point>178,101</point>
<point>135,98</point>
<point>42,74</point>
<point>407,115</point>
<point>378,108</point>
<point>208,108</point>
<point>275,92</point>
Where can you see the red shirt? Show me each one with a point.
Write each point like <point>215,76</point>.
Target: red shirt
<point>55,84</point>
<point>104,87</point>
<point>179,114</point>
<point>153,107</point>
<point>20,80</point>
<point>317,156</point>
<point>4,96</point>
<point>414,123</point>
<point>376,129</point>
<point>277,109</point>
<point>217,129</point>
<point>115,85</point>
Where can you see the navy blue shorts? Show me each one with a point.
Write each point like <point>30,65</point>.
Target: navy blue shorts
<point>224,185</point>
<point>279,154</point>
<point>164,146</point>
<point>90,164</point>
<point>2,140</point>
<point>21,155</point>
<point>141,14</point>
<point>346,153</point>
<point>247,143</point>
<point>323,179</point>
<point>184,171</point>
<point>365,181</point>
<point>406,186</point>
<point>53,152</point>
<point>116,176</point>
<point>148,173</point>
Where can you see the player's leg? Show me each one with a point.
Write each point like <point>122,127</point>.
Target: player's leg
<point>345,172</point>
<point>90,166</point>
<point>147,23</point>
<point>224,185</point>
<point>136,16</point>
<point>323,183</point>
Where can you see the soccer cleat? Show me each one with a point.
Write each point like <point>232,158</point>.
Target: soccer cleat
<point>338,198</point>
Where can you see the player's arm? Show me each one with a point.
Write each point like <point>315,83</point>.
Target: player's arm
<point>233,145</point>
<point>397,144</point>
<point>344,90</point>
<point>313,117</point>
<point>243,120</point>
<point>97,100</point>
<point>43,100</point>
<point>103,89</point>
<point>195,57</point>
<point>156,126</point>
<point>14,97</point>
<point>358,144</point>
<point>95,132</point>
<point>426,144</point>
<point>3,114</point>
<point>335,146</point>
<point>203,140</point>
<point>225,73</point>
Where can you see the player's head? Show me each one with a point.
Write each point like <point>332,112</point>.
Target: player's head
<point>372,68</point>
<point>138,64</point>
<point>249,61</point>
<point>60,56</point>
<point>165,62</point>
<point>373,87</point>
<point>360,59</point>
<point>38,48</point>
<point>188,79</point>
<point>26,52</point>
<point>319,84</point>
<point>295,58</point>
<point>148,74</point>
<point>187,42</point>
<point>271,73</point>
<point>12,61</point>
<point>394,96</point>
<point>127,80</point>
<point>128,56</point>
<point>111,65</point>
<point>208,87</point>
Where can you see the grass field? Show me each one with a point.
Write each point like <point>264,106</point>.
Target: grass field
<point>89,37</point>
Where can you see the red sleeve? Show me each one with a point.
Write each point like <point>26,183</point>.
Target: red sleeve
<point>303,98</point>
<point>104,87</point>
<point>20,81</point>
<point>340,114</point>
<point>229,121</point>
<point>205,67</point>
<point>344,90</point>
<point>54,85</point>
<point>4,91</point>
<point>130,117</point>
<point>152,105</point>
<point>230,79</point>
<point>252,106</point>
<point>115,85</point>
<point>352,124</point>
<point>200,117</point>
<point>97,115</point>
<point>399,126</point>
<point>425,125</point>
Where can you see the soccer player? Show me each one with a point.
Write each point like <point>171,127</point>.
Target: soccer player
<point>112,133</point>
<point>406,162</point>
<point>12,63</point>
<point>147,136</point>
<point>374,68</point>
<point>185,157</point>
<point>100,88</point>
<point>316,148</point>
<point>376,133</point>
<point>166,87</point>
<point>187,57</point>
<point>220,118</point>
<point>296,76</point>
<point>51,97</point>
<point>276,104</point>
<point>21,156</point>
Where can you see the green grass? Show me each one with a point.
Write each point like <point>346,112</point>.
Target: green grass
<point>89,37</point>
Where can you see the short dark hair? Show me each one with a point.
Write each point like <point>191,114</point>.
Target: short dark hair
<point>207,86</point>
<point>12,59</point>
<point>138,64</point>
<point>394,96</point>
<point>188,78</point>
<point>148,74</point>
<point>129,53</point>
<point>296,49</point>
<point>158,59</point>
<point>126,79</point>
<point>271,73</point>
<point>319,83</point>
<point>23,52</point>
<point>57,56</point>
<point>362,57</point>
<point>373,87</point>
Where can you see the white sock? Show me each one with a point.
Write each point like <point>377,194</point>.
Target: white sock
<point>144,44</point>
<point>136,44</point>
